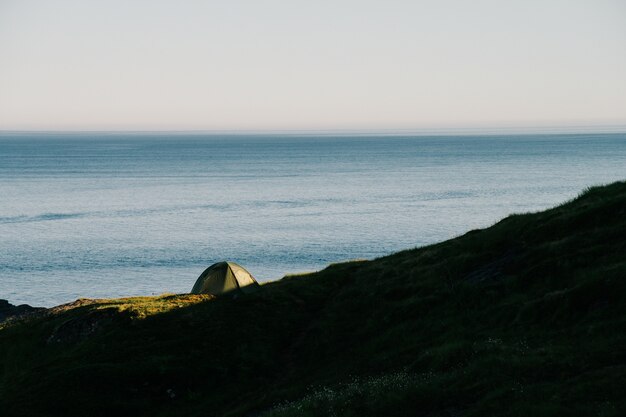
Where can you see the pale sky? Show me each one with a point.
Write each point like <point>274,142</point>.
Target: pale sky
<point>342,64</point>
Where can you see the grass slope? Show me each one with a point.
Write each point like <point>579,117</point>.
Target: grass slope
<point>524,318</point>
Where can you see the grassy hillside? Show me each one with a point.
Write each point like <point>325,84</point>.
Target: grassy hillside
<point>525,318</point>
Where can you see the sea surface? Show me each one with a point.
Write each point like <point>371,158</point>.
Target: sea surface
<point>109,215</point>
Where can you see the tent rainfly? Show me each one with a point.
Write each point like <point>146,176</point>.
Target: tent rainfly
<point>224,277</point>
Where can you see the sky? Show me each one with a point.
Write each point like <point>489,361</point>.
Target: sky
<point>310,65</point>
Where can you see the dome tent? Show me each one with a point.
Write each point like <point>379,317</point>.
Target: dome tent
<point>224,277</point>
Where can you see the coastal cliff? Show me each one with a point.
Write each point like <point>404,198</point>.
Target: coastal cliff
<point>526,317</point>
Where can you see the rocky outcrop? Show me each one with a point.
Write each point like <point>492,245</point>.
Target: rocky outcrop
<point>79,328</point>
<point>8,310</point>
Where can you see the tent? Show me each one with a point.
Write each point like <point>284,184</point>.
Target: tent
<point>224,277</point>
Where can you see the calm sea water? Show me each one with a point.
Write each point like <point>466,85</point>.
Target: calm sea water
<point>87,215</point>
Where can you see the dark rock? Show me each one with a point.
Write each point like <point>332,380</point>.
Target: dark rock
<point>80,328</point>
<point>8,310</point>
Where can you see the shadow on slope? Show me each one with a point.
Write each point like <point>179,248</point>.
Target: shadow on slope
<point>522,318</point>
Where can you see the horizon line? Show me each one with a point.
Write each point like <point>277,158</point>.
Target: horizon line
<point>465,130</point>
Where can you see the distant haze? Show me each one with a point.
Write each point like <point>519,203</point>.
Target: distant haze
<point>259,65</point>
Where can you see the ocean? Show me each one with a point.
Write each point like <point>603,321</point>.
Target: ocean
<point>111,215</point>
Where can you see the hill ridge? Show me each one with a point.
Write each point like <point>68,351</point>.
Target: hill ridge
<point>525,317</point>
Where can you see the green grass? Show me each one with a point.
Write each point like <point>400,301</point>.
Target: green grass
<point>526,317</point>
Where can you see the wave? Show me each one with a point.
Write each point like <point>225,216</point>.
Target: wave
<point>147,211</point>
<point>41,217</point>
